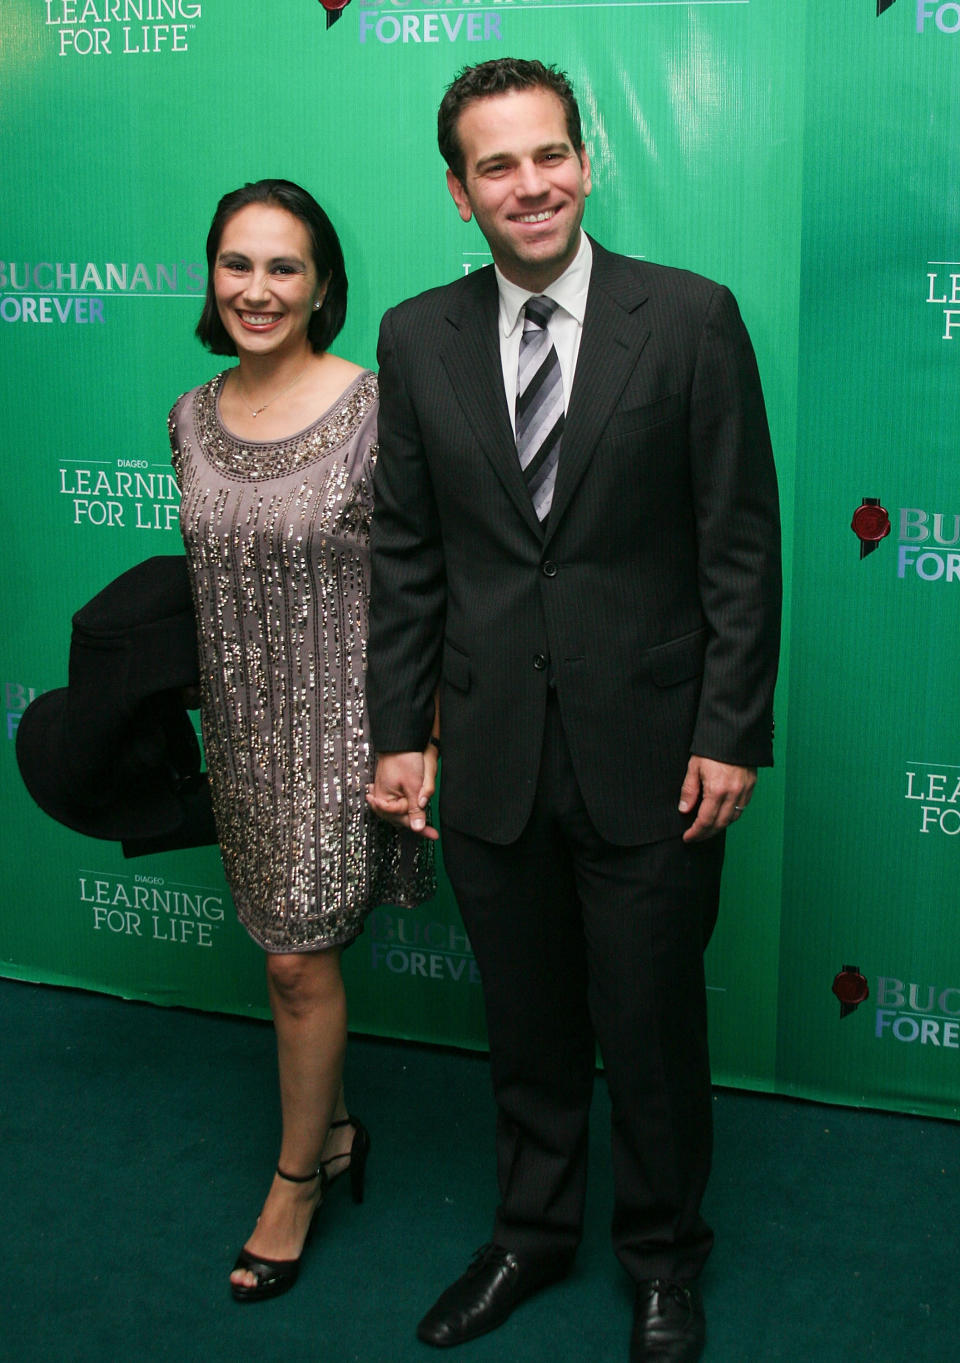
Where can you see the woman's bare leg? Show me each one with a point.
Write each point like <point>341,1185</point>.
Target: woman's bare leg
<point>310,1016</point>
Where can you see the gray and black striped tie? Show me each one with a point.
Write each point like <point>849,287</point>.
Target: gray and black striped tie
<point>539,413</point>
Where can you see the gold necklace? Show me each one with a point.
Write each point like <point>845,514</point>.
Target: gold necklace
<point>256,412</point>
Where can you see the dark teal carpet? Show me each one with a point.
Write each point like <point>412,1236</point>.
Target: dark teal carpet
<point>137,1146</point>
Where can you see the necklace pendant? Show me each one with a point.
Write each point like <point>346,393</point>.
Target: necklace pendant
<point>264,405</point>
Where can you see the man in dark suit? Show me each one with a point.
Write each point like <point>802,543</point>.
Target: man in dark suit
<point>576,554</point>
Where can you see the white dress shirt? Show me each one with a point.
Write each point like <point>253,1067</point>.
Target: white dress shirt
<point>569,292</point>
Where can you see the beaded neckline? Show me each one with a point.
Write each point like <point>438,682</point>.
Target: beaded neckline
<point>247,459</point>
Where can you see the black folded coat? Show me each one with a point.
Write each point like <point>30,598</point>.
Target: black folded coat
<point>113,754</point>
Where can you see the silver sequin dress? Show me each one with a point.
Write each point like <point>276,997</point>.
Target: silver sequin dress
<point>276,536</point>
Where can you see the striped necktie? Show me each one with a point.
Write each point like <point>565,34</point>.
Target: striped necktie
<point>539,412</point>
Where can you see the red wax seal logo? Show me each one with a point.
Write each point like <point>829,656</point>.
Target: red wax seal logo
<point>870,524</point>
<point>851,989</point>
<point>334,9</point>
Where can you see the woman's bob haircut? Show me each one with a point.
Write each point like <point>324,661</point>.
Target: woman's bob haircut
<point>328,320</point>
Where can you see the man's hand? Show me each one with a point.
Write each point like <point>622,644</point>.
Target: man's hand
<point>403,784</point>
<point>723,793</point>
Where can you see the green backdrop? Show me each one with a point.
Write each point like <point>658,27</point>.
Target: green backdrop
<point>803,153</point>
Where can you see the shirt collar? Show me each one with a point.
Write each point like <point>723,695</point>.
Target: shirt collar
<point>569,290</point>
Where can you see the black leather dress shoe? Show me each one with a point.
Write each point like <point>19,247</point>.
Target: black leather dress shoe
<point>496,1281</point>
<point>668,1323</point>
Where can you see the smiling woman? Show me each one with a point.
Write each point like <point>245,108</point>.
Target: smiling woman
<point>276,298</point>
<point>266,285</point>
<point>275,460</point>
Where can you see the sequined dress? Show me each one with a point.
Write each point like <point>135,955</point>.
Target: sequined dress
<point>276,535</point>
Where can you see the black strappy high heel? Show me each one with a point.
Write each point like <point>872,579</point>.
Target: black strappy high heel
<point>357,1155</point>
<point>275,1276</point>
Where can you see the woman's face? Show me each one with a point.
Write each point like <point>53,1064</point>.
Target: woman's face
<point>265,281</point>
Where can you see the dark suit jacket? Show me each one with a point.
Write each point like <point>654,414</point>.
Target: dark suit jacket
<point>652,598</point>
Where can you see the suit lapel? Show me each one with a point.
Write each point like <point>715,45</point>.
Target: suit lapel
<point>470,353</point>
<point>613,338</point>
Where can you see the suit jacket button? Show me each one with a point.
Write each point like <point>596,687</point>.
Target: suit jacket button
<point>539,662</point>
<point>549,568</point>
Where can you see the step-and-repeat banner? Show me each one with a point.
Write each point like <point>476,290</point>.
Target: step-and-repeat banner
<point>805,154</point>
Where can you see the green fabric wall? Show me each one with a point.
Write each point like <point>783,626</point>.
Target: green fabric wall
<point>805,154</point>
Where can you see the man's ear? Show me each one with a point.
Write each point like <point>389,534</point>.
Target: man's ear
<point>459,196</point>
<point>585,169</point>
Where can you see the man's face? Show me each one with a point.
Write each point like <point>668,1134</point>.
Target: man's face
<point>524,183</point>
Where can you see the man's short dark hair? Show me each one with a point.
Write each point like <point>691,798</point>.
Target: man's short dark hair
<point>325,249</point>
<point>498,77</point>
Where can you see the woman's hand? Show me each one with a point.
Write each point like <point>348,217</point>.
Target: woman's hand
<point>431,761</point>
<point>403,783</point>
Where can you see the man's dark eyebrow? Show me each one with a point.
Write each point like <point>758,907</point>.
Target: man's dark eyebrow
<point>494,156</point>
